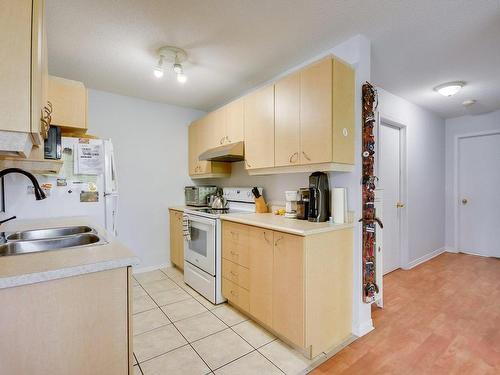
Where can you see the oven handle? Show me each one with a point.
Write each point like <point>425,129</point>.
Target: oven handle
<point>200,219</point>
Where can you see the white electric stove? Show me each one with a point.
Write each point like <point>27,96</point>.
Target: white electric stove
<point>203,253</point>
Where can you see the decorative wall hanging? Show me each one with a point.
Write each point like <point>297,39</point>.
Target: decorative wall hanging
<point>369,218</point>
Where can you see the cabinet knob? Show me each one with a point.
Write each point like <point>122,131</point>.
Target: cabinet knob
<point>306,156</point>
<point>400,205</point>
<point>345,132</point>
<point>265,237</point>
<point>464,201</point>
<point>248,164</point>
<point>278,240</point>
<point>294,157</point>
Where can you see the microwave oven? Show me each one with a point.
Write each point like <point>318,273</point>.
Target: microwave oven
<point>198,195</point>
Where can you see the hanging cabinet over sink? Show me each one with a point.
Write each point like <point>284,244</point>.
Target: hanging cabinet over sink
<point>24,68</point>
<point>302,123</point>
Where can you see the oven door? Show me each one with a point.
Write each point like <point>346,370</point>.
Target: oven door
<point>200,251</point>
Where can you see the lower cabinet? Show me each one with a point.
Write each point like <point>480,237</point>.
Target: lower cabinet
<point>74,325</point>
<point>299,287</point>
<point>176,239</point>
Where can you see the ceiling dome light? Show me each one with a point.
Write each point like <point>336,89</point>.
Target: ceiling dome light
<point>177,68</point>
<point>449,88</point>
<point>181,78</point>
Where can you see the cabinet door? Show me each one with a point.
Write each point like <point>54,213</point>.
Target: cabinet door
<point>261,274</point>
<point>316,113</point>
<point>174,238</point>
<point>69,101</point>
<point>234,121</point>
<point>219,127</point>
<point>37,70</point>
<point>179,239</point>
<point>287,120</point>
<point>343,113</point>
<point>206,140</point>
<point>193,147</point>
<point>259,128</point>
<point>15,65</point>
<point>288,287</point>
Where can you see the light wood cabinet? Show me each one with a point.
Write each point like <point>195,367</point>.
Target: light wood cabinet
<point>287,121</point>
<point>73,325</point>
<point>22,66</point>
<point>316,113</point>
<point>288,287</point>
<point>234,121</point>
<point>261,274</point>
<point>259,128</point>
<point>198,133</point>
<point>176,239</point>
<point>69,104</point>
<point>299,287</point>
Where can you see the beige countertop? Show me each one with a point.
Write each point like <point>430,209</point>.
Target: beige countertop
<point>282,224</point>
<point>31,268</point>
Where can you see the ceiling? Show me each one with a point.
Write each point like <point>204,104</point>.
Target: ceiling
<point>234,45</point>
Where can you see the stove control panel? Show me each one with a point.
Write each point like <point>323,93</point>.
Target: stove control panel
<point>240,194</point>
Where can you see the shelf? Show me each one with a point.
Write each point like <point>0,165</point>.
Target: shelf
<point>35,166</point>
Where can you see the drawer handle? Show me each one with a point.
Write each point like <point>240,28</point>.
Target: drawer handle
<point>306,156</point>
<point>265,237</point>
<point>234,274</point>
<point>234,253</point>
<point>234,293</point>
<point>234,234</point>
<point>292,160</point>
<point>278,240</point>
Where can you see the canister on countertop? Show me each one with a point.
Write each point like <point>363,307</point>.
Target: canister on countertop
<point>303,203</point>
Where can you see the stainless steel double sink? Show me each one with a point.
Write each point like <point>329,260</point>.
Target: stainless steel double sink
<point>32,241</point>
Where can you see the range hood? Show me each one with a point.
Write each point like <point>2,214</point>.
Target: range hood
<point>230,152</point>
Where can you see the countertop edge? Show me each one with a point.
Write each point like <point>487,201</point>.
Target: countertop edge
<point>284,229</point>
<point>37,277</point>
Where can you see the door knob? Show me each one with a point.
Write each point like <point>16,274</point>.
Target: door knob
<point>400,205</point>
<point>464,201</point>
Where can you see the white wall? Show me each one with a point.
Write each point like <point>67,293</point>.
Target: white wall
<point>455,127</point>
<point>150,142</point>
<point>425,140</point>
<point>355,51</point>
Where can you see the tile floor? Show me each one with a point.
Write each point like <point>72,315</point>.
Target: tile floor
<point>177,331</point>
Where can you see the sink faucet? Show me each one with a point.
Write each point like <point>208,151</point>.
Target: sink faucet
<point>39,194</point>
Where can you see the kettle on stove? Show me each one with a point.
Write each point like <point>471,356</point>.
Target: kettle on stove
<point>219,202</point>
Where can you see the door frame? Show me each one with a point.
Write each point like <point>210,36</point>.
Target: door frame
<point>403,181</point>
<point>456,180</point>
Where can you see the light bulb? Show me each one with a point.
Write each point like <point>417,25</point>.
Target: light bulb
<point>181,77</point>
<point>178,68</point>
<point>158,71</point>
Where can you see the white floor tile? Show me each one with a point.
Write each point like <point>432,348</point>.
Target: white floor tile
<point>166,297</point>
<point>287,359</point>
<point>199,326</point>
<point>147,277</point>
<point>181,361</point>
<point>253,333</point>
<point>221,348</point>
<point>149,320</point>
<point>251,364</point>
<point>229,315</point>
<point>159,286</point>
<point>159,341</point>
<point>183,309</point>
<point>142,303</point>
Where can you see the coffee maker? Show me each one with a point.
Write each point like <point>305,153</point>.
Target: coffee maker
<point>319,197</point>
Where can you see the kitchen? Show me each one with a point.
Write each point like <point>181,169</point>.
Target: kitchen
<point>271,277</point>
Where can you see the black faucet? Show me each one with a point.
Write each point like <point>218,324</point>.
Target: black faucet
<point>39,194</point>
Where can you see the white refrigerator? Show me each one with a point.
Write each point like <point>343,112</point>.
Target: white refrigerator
<point>91,190</point>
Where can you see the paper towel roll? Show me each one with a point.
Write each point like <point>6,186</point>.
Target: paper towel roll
<point>339,205</point>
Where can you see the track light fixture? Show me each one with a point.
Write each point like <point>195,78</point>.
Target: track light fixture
<point>172,55</point>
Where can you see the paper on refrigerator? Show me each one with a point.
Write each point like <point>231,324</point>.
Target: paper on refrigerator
<point>88,158</point>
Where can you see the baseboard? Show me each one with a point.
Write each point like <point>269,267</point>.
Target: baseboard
<point>363,328</point>
<point>150,268</point>
<point>424,258</point>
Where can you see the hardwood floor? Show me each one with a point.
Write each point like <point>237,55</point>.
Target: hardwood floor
<point>442,317</point>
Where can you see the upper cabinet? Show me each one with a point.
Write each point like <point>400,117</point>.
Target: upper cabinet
<point>200,137</point>
<point>314,116</point>
<point>23,67</point>
<point>259,128</point>
<point>69,104</point>
<point>301,123</point>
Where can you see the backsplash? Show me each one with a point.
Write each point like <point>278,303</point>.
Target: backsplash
<point>274,185</point>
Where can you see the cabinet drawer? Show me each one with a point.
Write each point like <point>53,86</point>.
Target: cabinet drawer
<point>235,243</point>
<point>236,273</point>
<point>236,294</point>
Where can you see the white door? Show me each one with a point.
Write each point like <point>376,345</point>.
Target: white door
<point>390,182</point>
<point>478,194</point>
